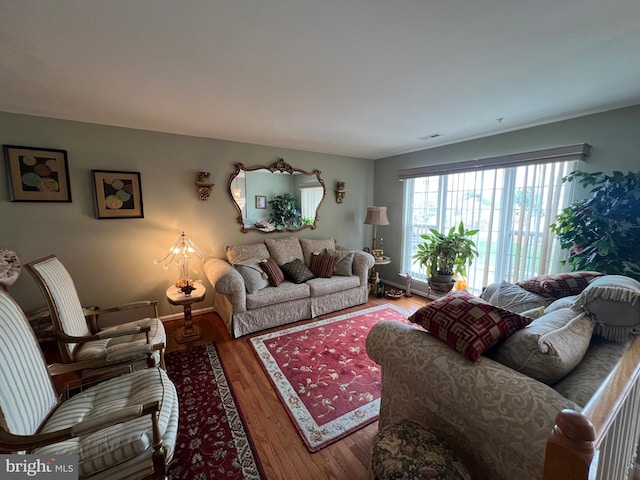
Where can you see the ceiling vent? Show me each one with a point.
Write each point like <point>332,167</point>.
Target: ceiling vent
<point>429,137</point>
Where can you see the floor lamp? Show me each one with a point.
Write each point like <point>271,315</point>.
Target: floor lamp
<point>376,216</point>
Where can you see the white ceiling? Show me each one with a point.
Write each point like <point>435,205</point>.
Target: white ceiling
<point>362,78</point>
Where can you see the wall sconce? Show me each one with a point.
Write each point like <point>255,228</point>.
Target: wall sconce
<point>340,192</point>
<point>203,185</point>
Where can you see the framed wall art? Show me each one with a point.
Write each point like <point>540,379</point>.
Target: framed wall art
<point>261,201</point>
<point>117,194</point>
<point>37,174</point>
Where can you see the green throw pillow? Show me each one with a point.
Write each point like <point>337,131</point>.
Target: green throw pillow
<point>296,271</point>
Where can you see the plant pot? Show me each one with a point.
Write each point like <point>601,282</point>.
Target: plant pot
<point>441,283</point>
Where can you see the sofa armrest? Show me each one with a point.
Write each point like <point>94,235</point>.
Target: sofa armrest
<point>362,263</point>
<point>496,419</point>
<point>226,280</point>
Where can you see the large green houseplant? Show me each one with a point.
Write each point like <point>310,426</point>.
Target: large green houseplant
<point>284,212</point>
<point>602,231</point>
<point>445,255</point>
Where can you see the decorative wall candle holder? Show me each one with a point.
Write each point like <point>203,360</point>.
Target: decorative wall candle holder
<point>203,186</point>
<point>340,192</point>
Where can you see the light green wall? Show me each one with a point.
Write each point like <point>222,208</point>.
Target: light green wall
<point>111,260</point>
<point>614,137</point>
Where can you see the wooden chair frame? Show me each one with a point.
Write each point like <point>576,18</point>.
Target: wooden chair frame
<point>92,316</point>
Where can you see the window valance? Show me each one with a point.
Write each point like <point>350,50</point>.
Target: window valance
<point>558,154</point>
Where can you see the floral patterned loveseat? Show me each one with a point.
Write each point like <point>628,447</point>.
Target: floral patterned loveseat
<point>497,412</point>
<point>303,278</point>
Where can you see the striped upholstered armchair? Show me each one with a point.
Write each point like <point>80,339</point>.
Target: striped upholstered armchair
<point>121,428</point>
<point>125,343</point>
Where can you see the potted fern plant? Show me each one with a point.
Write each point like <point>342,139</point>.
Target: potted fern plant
<point>602,232</point>
<point>445,255</point>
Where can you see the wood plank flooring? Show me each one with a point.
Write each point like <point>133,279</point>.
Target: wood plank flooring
<point>279,446</point>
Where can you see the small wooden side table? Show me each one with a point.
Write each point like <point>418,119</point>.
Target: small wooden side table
<point>189,331</point>
<point>378,262</point>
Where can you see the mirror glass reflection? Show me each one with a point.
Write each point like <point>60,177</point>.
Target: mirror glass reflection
<point>276,198</point>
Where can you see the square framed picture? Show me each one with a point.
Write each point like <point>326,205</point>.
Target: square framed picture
<point>37,174</point>
<point>117,194</point>
<point>261,201</point>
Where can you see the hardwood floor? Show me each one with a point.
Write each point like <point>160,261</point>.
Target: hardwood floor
<point>279,446</point>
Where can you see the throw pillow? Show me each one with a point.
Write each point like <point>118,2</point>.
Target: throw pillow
<point>273,271</point>
<point>296,271</point>
<point>564,302</point>
<point>322,264</point>
<point>310,246</point>
<point>517,299</point>
<point>242,253</point>
<point>468,324</point>
<point>613,302</point>
<point>284,250</point>
<point>548,348</point>
<point>344,262</point>
<point>254,277</point>
<point>560,284</point>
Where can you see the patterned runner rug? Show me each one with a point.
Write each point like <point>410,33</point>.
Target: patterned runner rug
<point>213,441</point>
<point>322,373</point>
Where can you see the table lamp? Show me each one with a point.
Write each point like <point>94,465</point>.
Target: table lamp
<point>179,253</point>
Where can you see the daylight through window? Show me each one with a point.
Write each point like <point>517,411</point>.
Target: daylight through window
<point>512,208</point>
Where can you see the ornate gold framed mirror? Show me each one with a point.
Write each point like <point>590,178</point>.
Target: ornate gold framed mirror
<point>278,198</point>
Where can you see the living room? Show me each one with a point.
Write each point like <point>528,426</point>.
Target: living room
<point>112,261</point>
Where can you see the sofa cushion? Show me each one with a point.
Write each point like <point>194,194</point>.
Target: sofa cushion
<point>325,286</point>
<point>310,246</point>
<point>286,292</point>
<point>559,284</point>
<point>296,271</point>
<point>273,271</point>
<point>344,262</point>
<point>613,302</point>
<point>549,347</point>
<point>284,250</point>
<point>253,275</point>
<point>467,323</point>
<point>242,253</point>
<point>322,264</point>
<point>517,299</point>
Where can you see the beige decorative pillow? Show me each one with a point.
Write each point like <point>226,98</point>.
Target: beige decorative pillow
<point>253,275</point>
<point>517,299</point>
<point>284,250</point>
<point>242,253</point>
<point>343,262</point>
<point>613,302</point>
<point>549,347</point>
<point>310,246</point>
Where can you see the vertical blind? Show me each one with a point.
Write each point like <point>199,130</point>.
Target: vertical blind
<point>512,206</point>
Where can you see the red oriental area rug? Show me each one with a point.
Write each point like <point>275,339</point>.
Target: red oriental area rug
<point>213,441</point>
<point>322,373</point>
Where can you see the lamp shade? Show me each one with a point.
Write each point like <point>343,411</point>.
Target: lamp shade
<point>376,216</point>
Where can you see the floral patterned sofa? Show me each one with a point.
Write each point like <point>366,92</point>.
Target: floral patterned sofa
<point>284,280</point>
<point>496,412</point>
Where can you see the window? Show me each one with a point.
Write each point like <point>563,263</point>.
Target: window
<point>310,198</point>
<point>512,207</point>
